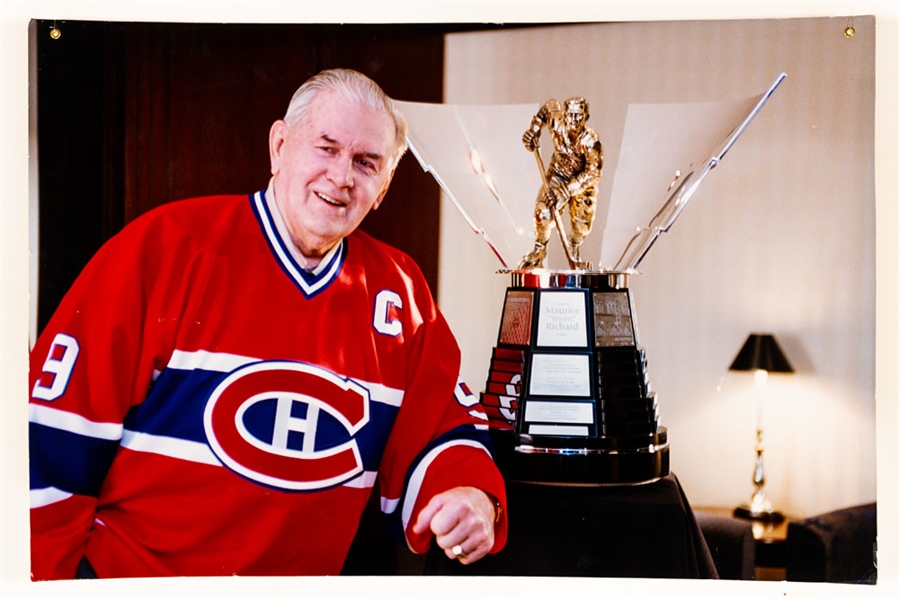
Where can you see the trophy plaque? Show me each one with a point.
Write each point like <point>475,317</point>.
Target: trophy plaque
<point>567,395</point>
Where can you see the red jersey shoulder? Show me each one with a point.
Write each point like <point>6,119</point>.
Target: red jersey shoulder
<point>200,214</point>
<point>382,256</point>
<point>184,227</point>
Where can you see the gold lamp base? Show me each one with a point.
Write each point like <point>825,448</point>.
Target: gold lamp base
<point>759,508</point>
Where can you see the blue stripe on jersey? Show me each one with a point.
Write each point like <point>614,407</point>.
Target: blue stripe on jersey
<point>174,406</point>
<point>310,284</point>
<point>466,431</point>
<point>68,461</point>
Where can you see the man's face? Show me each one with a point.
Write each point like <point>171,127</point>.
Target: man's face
<point>330,170</point>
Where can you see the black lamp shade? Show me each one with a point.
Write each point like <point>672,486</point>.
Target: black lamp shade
<point>761,352</point>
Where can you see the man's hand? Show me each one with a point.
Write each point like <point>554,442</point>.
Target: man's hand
<point>462,522</point>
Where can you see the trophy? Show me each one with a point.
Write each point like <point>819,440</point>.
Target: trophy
<point>568,397</point>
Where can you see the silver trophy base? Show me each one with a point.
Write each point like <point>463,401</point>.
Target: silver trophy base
<point>637,463</point>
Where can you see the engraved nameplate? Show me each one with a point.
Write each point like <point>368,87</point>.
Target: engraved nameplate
<point>560,374</point>
<point>558,430</point>
<point>562,320</point>
<point>559,412</point>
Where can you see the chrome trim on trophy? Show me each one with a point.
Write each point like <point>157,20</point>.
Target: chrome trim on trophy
<point>651,448</point>
<point>637,483</point>
<point>540,278</point>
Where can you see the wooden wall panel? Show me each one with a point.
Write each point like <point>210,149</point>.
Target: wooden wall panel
<point>134,115</point>
<point>78,79</point>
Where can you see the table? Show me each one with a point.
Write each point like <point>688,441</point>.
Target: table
<point>644,531</point>
<point>770,549</point>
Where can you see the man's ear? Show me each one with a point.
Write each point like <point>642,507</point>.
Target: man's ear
<point>384,190</point>
<point>276,137</point>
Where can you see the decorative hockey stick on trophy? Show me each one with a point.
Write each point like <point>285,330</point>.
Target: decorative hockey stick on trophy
<point>567,393</point>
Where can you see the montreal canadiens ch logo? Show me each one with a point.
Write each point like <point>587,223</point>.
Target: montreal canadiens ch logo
<point>288,425</point>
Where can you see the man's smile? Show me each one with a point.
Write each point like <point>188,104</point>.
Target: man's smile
<point>328,199</point>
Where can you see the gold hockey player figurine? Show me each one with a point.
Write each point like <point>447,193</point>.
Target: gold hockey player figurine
<point>571,180</point>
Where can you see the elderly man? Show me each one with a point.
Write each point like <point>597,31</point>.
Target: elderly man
<point>229,376</point>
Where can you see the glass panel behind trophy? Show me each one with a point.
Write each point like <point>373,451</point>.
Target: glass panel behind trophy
<point>568,394</point>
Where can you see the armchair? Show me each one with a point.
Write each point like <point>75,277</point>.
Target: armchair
<point>839,546</point>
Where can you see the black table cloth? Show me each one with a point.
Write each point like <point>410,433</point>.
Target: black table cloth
<point>645,531</point>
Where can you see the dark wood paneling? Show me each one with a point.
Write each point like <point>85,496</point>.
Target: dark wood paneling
<point>134,115</point>
<point>201,101</point>
<point>79,152</point>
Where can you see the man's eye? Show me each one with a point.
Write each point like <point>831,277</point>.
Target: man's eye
<point>366,164</point>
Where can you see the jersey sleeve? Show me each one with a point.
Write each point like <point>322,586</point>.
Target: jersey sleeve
<point>439,440</point>
<point>90,365</point>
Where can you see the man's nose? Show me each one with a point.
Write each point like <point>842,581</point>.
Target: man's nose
<point>340,171</point>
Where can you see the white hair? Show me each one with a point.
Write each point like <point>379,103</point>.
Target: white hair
<point>353,86</point>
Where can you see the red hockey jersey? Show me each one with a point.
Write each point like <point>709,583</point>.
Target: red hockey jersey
<point>201,405</point>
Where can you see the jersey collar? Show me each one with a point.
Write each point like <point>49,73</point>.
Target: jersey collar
<point>310,282</point>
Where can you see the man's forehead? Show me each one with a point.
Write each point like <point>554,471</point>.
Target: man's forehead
<point>360,148</point>
<point>342,120</point>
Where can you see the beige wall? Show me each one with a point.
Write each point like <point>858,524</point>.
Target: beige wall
<point>780,239</point>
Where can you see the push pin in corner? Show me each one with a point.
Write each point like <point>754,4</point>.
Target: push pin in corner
<point>849,31</point>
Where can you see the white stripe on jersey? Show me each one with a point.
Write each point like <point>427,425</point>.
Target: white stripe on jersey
<point>419,474</point>
<point>381,394</point>
<point>73,423</point>
<point>366,481</point>
<point>41,497</point>
<point>221,362</point>
<point>193,451</point>
<point>172,447</point>
<point>388,506</point>
<point>204,360</point>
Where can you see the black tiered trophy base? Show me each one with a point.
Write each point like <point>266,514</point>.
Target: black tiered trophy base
<point>567,394</point>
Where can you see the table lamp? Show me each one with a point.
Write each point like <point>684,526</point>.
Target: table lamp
<point>761,355</point>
